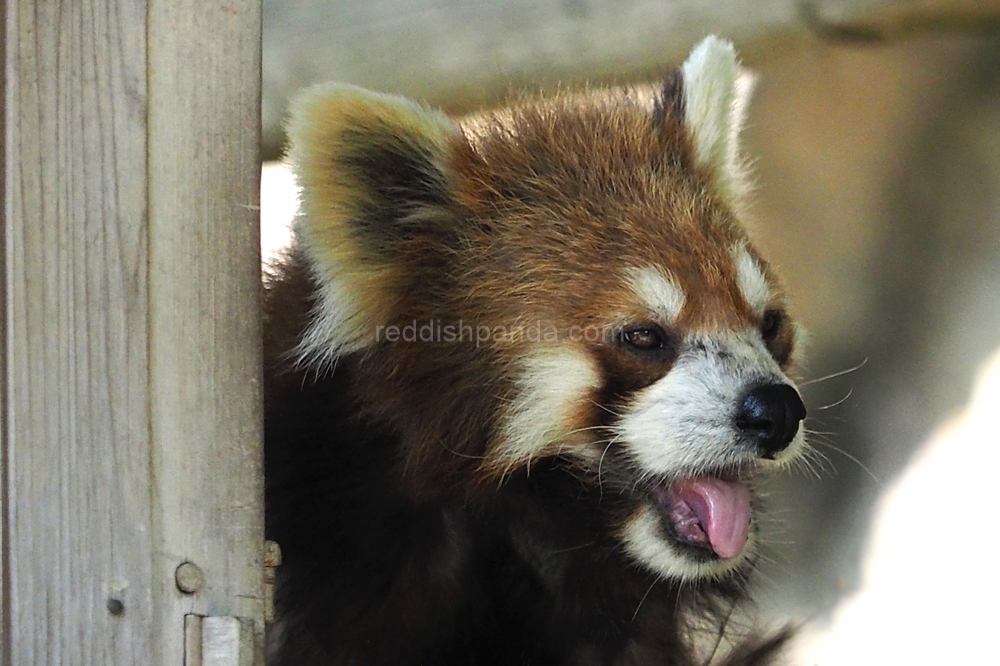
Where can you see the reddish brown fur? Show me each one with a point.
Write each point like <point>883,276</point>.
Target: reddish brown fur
<point>610,188</point>
<point>546,208</point>
<point>613,191</point>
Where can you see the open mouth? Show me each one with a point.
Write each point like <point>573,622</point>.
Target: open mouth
<point>707,512</point>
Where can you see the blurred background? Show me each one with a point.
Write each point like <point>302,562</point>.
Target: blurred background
<point>875,135</point>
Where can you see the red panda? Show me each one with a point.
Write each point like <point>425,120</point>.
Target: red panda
<point>523,378</point>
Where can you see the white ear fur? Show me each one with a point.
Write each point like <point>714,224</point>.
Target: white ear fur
<point>716,92</point>
<point>334,131</point>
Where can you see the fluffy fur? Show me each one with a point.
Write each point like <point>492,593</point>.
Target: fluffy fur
<point>522,379</point>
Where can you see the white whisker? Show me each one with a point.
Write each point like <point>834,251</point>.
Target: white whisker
<point>838,403</point>
<point>834,374</point>
<point>860,464</point>
<point>636,613</point>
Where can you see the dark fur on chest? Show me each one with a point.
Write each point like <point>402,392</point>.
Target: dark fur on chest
<point>517,574</point>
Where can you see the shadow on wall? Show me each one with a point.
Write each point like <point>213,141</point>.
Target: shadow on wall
<point>881,202</point>
<point>942,619</point>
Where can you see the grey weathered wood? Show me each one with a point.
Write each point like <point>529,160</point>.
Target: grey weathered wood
<point>130,419</point>
<point>76,418</point>
<point>204,117</point>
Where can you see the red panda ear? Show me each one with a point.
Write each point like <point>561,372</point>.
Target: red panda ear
<point>715,96</point>
<point>373,173</point>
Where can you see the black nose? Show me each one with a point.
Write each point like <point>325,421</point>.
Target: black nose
<point>771,414</point>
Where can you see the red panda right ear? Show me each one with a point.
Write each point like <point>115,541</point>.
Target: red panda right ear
<point>713,101</point>
<point>373,173</point>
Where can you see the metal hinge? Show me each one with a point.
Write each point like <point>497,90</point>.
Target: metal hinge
<point>218,641</point>
<point>225,640</point>
<point>272,560</point>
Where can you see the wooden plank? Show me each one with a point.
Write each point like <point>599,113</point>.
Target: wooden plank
<point>4,466</point>
<point>75,414</point>
<point>130,418</point>
<point>204,119</point>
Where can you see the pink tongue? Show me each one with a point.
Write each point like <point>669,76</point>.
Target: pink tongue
<point>723,509</point>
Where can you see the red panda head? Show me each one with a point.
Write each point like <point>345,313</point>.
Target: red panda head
<point>566,279</point>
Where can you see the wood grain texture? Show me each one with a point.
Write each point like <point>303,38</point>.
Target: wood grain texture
<point>130,417</point>
<point>76,419</point>
<point>4,213</point>
<point>204,120</point>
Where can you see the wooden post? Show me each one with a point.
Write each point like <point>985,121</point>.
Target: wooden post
<point>129,321</point>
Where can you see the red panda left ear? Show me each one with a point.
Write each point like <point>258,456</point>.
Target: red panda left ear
<point>374,178</point>
<point>715,96</point>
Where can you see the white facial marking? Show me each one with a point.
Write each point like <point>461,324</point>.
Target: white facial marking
<point>658,291</point>
<point>684,423</point>
<point>751,280</point>
<point>554,382</point>
<point>644,539</point>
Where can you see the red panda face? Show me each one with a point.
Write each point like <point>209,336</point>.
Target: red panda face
<point>585,286</point>
<point>696,436</point>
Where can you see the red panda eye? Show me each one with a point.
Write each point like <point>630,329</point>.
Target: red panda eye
<point>644,339</point>
<point>770,326</point>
